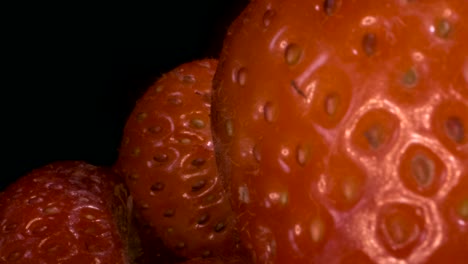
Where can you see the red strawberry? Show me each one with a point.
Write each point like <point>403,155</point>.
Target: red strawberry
<point>65,212</point>
<point>168,162</point>
<point>340,128</point>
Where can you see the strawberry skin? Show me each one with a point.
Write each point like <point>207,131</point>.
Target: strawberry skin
<point>65,212</point>
<point>167,159</point>
<point>340,130</point>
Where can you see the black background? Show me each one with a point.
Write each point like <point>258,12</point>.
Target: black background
<point>72,73</point>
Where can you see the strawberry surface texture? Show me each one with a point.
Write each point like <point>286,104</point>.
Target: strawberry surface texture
<point>340,130</point>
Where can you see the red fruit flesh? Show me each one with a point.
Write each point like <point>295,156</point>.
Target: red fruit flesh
<point>340,130</point>
<point>168,162</point>
<point>65,212</point>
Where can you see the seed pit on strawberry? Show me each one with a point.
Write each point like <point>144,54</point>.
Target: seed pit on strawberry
<point>51,210</point>
<point>400,227</point>
<point>369,44</point>
<point>303,153</point>
<point>197,123</point>
<point>198,185</point>
<point>133,176</point>
<point>331,6</point>
<point>161,157</point>
<point>256,152</point>
<point>293,54</point>
<point>454,129</point>
<point>240,76</point>
<point>219,227</point>
<point>169,213</point>
<point>175,100</point>
<point>157,187</point>
<point>268,17</point>
<point>180,245</point>
<point>421,170</point>
<point>269,112</point>
<point>443,28</point>
<point>410,78</point>
<point>229,128</point>
<point>462,209</point>
<point>345,183</point>
<point>198,162</point>
<point>35,200</point>
<point>450,122</point>
<point>141,116</point>
<point>331,104</point>
<point>317,230</point>
<point>375,130</point>
<point>203,219</point>
<point>188,79</point>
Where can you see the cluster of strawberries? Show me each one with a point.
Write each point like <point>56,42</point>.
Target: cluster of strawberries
<point>329,131</point>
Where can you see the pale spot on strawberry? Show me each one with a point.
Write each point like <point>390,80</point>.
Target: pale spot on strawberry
<point>303,154</point>
<point>462,209</point>
<point>269,112</point>
<point>141,116</point>
<point>331,104</point>
<point>317,230</point>
<point>454,129</point>
<point>331,6</point>
<point>268,17</point>
<point>229,128</point>
<point>240,76</point>
<point>244,194</point>
<point>293,54</point>
<point>159,88</point>
<point>369,44</point>
<point>185,141</point>
<point>90,217</point>
<point>136,152</point>
<point>256,152</point>
<point>180,245</point>
<point>133,176</point>
<point>277,198</point>
<point>423,170</point>
<point>51,210</point>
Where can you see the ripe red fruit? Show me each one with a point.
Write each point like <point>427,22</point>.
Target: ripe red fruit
<point>340,128</point>
<point>168,162</point>
<point>66,212</point>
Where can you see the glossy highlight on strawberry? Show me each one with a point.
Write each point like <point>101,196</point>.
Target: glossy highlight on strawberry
<point>340,130</point>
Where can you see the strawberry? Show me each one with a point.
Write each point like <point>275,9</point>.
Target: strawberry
<point>167,159</point>
<point>66,212</point>
<point>340,130</point>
